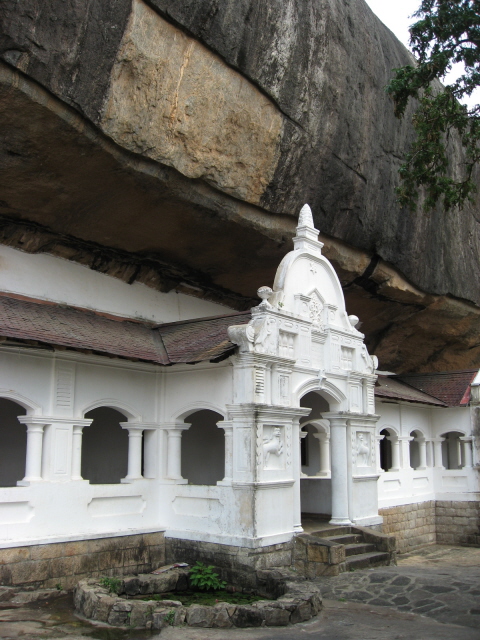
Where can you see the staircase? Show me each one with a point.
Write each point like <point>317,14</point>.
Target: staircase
<point>359,553</point>
<point>330,550</point>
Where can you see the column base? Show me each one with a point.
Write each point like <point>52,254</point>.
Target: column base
<point>26,481</point>
<point>298,528</point>
<point>340,521</point>
<point>128,480</point>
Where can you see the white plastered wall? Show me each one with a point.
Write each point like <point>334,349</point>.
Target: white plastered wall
<point>45,277</point>
<point>433,482</point>
<point>59,507</point>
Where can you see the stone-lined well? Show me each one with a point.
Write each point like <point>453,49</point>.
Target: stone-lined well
<point>296,601</point>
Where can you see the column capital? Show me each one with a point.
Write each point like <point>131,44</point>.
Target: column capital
<point>34,421</point>
<point>140,426</point>
<point>438,439</point>
<point>466,438</point>
<point>336,419</point>
<point>226,425</point>
<point>174,426</point>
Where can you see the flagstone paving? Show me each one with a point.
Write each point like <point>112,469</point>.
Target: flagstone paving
<point>440,582</point>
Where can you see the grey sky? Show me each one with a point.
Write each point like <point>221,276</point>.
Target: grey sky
<point>396,15</point>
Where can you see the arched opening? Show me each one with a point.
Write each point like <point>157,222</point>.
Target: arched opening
<point>386,453</point>
<point>13,443</point>
<point>203,449</point>
<point>452,450</point>
<point>315,482</point>
<point>315,449</point>
<point>415,449</point>
<point>105,447</point>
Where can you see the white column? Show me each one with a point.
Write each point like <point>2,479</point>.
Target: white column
<point>395,453</point>
<point>150,453</point>
<point>227,427</point>
<point>467,451</point>
<point>135,442</point>
<point>430,462</point>
<point>174,451</point>
<point>379,467</point>
<point>459,453</point>
<point>437,448</point>
<point>77,435</point>
<point>405,444</point>
<point>324,441</point>
<point>423,454</point>
<point>33,462</point>
<point>338,436</point>
<point>296,470</point>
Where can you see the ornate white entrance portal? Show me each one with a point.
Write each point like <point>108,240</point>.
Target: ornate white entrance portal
<point>300,340</point>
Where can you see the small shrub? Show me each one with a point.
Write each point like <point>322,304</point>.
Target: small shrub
<point>204,578</point>
<point>170,617</point>
<point>112,584</point>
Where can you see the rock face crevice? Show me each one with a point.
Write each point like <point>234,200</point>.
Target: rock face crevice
<point>190,133</point>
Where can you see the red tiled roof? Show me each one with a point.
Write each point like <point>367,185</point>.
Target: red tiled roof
<point>394,389</point>
<point>451,387</point>
<point>52,324</point>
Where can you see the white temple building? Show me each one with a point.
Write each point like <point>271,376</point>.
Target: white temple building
<point>126,411</point>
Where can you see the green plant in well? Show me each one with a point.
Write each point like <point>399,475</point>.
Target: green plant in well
<point>204,578</point>
<point>59,587</point>
<point>112,584</point>
<point>170,617</point>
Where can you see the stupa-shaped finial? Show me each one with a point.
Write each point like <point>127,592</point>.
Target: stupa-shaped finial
<point>305,219</point>
<point>307,236</point>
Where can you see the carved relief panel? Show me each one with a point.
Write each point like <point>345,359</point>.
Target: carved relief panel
<point>363,450</point>
<point>271,447</point>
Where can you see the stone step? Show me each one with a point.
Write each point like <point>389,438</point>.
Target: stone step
<point>347,538</point>
<point>329,531</point>
<point>366,560</point>
<point>359,548</point>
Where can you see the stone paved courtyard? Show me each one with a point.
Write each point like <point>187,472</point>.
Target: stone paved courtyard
<point>441,582</point>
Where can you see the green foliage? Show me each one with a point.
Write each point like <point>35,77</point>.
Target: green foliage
<point>204,578</point>
<point>112,584</point>
<point>447,32</point>
<point>170,617</point>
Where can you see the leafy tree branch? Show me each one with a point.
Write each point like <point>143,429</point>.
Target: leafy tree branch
<point>446,33</point>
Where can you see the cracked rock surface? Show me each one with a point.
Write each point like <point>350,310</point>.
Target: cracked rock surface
<point>173,144</point>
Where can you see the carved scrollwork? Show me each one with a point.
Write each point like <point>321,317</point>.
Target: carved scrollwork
<point>243,335</point>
